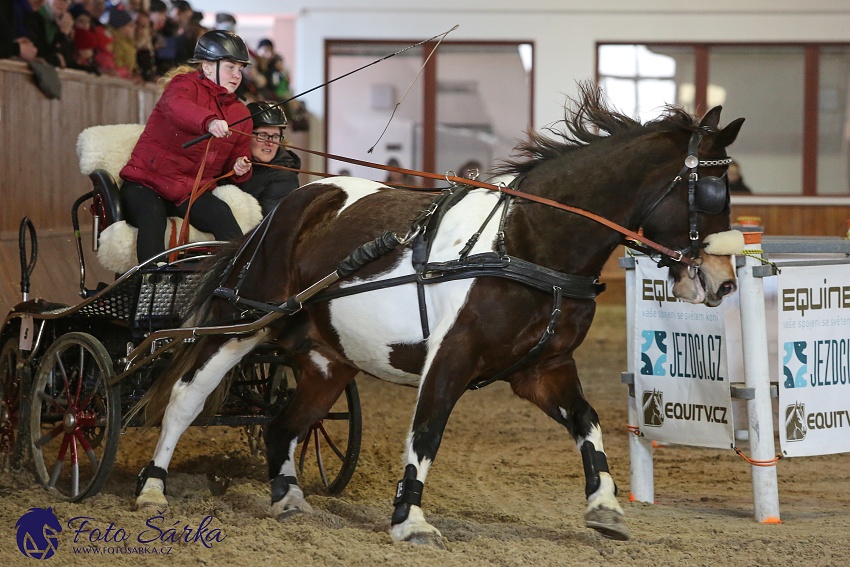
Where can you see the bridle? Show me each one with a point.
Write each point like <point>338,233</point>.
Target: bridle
<point>708,194</point>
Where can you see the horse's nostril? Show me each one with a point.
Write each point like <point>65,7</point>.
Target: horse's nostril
<point>726,288</point>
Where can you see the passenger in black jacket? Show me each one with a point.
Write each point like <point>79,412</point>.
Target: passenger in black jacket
<point>269,185</point>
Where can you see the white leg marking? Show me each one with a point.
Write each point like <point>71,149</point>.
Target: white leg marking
<point>187,401</point>
<point>415,522</point>
<point>604,513</point>
<point>293,501</point>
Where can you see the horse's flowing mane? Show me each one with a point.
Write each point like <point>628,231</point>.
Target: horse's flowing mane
<point>590,119</point>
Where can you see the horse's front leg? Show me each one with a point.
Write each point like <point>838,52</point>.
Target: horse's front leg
<point>556,389</point>
<point>210,360</point>
<point>320,383</point>
<point>439,391</point>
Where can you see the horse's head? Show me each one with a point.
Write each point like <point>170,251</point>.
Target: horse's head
<point>693,216</point>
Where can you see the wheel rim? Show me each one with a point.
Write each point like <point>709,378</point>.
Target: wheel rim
<point>75,417</point>
<point>331,448</point>
<point>10,404</point>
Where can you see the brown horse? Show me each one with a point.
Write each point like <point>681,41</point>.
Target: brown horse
<point>445,334</point>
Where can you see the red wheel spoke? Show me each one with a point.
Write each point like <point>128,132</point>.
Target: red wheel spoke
<point>331,443</point>
<point>304,448</point>
<point>60,461</point>
<point>319,460</point>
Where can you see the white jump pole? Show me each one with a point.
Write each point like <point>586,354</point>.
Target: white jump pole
<point>641,472</point>
<point>757,378</point>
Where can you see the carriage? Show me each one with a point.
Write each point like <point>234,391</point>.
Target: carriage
<point>446,293</point>
<point>71,374</point>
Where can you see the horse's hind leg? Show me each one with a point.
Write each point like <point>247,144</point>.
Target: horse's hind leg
<point>557,391</point>
<point>213,358</point>
<point>321,382</point>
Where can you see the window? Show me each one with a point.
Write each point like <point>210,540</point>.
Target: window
<point>471,104</point>
<point>781,150</point>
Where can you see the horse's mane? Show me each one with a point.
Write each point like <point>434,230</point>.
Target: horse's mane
<point>588,119</point>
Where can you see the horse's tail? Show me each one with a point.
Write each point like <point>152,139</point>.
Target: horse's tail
<point>199,307</point>
<point>153,403</point>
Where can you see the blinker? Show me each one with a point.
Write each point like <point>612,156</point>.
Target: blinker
<point>712,195</point>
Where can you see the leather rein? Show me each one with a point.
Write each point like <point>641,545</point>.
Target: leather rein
<point>674,255</point>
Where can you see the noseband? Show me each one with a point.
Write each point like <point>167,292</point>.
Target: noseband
<point>709,194</point>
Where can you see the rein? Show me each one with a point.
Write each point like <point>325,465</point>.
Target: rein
<point>675,255</point>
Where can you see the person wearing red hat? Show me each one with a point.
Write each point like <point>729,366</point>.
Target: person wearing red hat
<point>160,175</point>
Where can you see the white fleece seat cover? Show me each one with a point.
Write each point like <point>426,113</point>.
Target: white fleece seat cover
<point>109,148</point>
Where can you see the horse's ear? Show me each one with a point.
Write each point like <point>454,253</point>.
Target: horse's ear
<point>728,134</point>
<point>711,118</point>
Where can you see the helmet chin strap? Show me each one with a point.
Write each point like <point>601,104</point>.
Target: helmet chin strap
<point>217,69</point>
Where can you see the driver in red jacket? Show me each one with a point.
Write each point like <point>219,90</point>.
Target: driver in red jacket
<point>159,177</point>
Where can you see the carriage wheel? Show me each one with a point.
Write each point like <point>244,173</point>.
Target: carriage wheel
<point>11,405</point>
<point>334,442</point>
<point>75,417</point>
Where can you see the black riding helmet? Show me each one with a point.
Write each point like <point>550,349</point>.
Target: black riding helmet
<point>267,114</point>
<point>218,45</point>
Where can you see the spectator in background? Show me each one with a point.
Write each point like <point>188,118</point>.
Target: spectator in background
<point>49,29</point>
<point>397,177</point>
<point>93,44</point>
<point>144,46</point>
<point>736,180</point>
<point>470,170</point>
<point>122,28</point>
<point>192,30</point>
<point>269,185</point>
<point>270,76</point>
<point>225,21</point>
<point>165,37</point>
<point>13,40</point>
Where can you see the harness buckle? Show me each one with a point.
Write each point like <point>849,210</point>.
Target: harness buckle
<point>694,235</point>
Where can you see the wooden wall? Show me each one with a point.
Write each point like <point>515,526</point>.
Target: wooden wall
<point>797,220</point>
<point>40,174</point>
<point>39,170</point>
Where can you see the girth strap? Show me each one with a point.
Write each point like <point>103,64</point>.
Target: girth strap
<point>531,354</point>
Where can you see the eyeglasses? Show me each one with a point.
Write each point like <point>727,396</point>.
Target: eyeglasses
<point>263,137</point>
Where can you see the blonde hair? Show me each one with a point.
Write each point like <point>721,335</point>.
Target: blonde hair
<point>174,71</point>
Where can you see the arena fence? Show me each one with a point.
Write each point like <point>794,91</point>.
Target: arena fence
<point>772,361</point>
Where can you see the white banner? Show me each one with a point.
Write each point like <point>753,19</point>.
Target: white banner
<point>681,376</point>
<point>814,355</point>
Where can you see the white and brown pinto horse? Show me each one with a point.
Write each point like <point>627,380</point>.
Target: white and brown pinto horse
<point>476,327</point>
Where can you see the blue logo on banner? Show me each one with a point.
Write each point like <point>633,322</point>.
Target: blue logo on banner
<point>38,533</point>
<point>794,364</point>
<point>653,353</point>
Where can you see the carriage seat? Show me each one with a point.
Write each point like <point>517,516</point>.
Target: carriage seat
<point>106,197</point>
<point>103,151</point>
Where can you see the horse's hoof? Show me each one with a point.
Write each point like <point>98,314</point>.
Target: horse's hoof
<point>144,502</point>
<point>426,538</point>
<point>608,523</point>
<point>288,514</point>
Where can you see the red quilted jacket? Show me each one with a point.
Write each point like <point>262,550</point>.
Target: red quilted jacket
<point>183,113</point>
